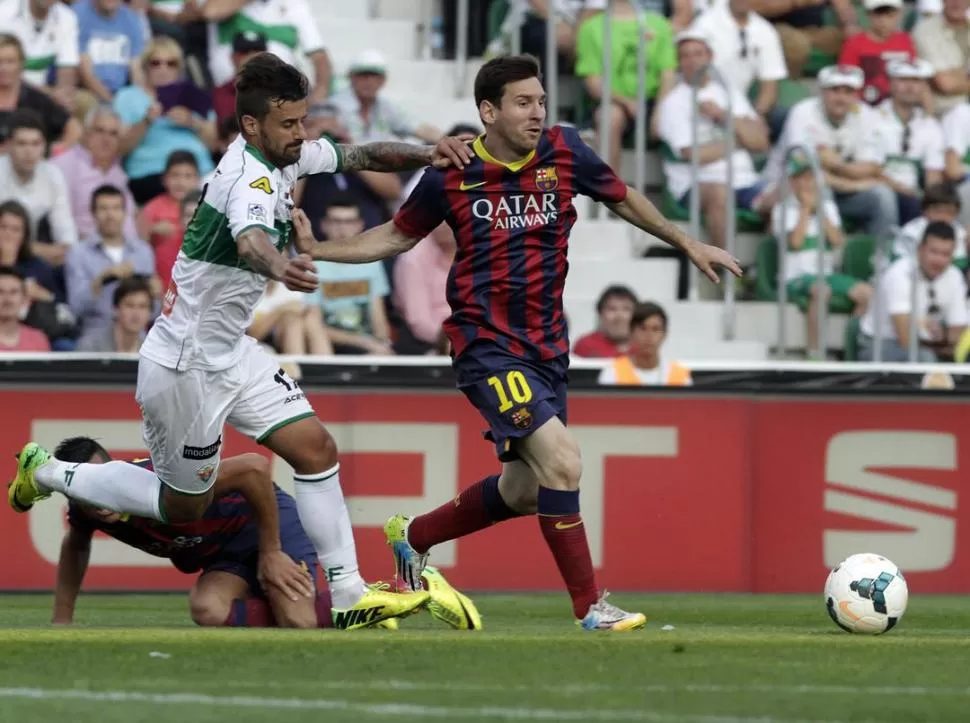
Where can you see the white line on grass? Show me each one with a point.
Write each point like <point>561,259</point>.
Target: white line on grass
<point>377,709</point>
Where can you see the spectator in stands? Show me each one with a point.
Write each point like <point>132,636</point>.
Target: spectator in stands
<point>676,132</point>
<point>802,27</point>
<point>95,266</point>
<point>132,302</point>
<point>48,33</point>
<point>166,255</point>
<point>15,245</point>
<point>942,40</point>
<point>912,141</point>
<point>420,281</point>
<point>15,336</point>
<point>111,40</point>
<point>351,296</point>
<point>153,132</point>
<point>661,61</point>
<point>644,363</point>
<point>941,302</point>
<point>284,319</point>
<point>529,17</point>
<point>797,218</point>
<point>614,309</point>
<point>244,46</point>
<point>289,26</point>
<point>16,95</point>
<point>92,163</point>
<point>39,185</point>
<point>160,221</point>
<point>956,137</point>
<point>171,17</point>
<point>841,130</point>
<point>746,49</point>
<point>941,203</point>
<point>873,48</point>
<point>369,116</point>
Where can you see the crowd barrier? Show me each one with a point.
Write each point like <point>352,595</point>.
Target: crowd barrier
<point>684,491</point>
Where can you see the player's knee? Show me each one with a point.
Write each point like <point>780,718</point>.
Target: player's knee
<point>208,612</point>
<point>565,469</point>
<point>310,452</point>
<point>303,617</point>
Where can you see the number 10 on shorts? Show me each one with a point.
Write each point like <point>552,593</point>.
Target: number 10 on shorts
<point>514,386</point>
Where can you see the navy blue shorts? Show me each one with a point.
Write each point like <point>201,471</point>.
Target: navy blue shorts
<point>241,556</point>
<point>514,395</point>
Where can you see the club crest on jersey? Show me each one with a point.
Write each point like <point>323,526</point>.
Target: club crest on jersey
<point>262,183</point>
<point>522,418</point>
<point>547,179</point>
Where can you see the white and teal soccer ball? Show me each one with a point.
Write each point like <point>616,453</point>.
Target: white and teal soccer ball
<point>867,594</point>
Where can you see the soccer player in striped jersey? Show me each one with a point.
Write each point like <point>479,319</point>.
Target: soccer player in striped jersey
<point>511,209</point>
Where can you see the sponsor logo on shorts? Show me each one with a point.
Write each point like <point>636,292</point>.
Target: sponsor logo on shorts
<point>294,398</point>
<point>522,418</point>
<point>205,473</point>
<point>202,452</point>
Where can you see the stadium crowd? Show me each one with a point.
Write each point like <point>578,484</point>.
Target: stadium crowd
<point>112,116</point>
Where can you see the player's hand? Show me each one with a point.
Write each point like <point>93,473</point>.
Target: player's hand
<point>708,258</point>
<point>303,238</point>
<point>300,274</point>
<point>451,151</point>
<point>277,569</point>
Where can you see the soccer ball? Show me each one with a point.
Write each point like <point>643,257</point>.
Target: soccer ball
<point>866,593</point>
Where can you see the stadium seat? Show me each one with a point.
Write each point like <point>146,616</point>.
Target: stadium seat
<point>851,339</point>
<point>857,259</point>
<point>766,284</point>
<point>747,221</point>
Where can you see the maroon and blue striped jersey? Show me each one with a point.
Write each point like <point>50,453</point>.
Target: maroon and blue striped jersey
<point>191,546</point>
<point>512,223</point>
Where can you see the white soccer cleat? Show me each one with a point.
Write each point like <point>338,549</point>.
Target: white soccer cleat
<point>603,615</point>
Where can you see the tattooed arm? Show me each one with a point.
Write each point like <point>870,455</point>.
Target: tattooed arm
<point>390,156</point>
<point>256,249</point>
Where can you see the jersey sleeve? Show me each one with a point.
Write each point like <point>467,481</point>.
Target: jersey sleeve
<point>252,199</point>
<point>68,54</point>
<point>319,156</point>
<point>594,178</point>
<point>425,208</point>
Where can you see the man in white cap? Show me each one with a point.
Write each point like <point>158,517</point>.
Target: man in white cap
<point>368,115</point>
<point>912,140</point>
<point>878,45</point>
<point>844,133</point>
<point>675,127</point>
<point>944,40</point>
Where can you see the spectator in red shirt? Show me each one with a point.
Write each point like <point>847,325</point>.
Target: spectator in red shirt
<point>615,309</point>
<point>160,221</point>
<point>244,46</point>
<point>14,336</point>
<point>874,48</point>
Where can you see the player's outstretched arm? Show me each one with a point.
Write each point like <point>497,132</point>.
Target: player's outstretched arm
<point>390,156</point>
<point>256,249</point>
<point>378,243</point>
<point>71,568</point>
<point>637,209</point>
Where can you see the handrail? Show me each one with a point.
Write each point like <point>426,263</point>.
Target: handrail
<point>461,48</point>
<point>606,97</point>
<point>883,253</point>
<point>913,316</point>
<point>550,73</point>
<point>781,238</point>
<point>709,71</point>
<point>640,122</point>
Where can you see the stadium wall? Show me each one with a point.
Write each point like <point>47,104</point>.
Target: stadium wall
<point>692,492</point>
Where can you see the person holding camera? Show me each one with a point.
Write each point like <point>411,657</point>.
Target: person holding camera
<point>94,267</point>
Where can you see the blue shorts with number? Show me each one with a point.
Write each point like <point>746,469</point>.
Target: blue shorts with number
<point>514,395</point>
<point>241,556</point>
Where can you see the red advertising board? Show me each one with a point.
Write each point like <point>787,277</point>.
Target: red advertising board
<point>688,493</point>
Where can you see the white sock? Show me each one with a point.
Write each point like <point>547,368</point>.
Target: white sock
<point>117,486</point>
<point>324,516</point>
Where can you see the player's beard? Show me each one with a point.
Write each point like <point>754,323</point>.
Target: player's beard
<point>282,156</point>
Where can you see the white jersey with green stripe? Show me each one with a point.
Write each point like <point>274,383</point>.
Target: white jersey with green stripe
<point>210,302</point>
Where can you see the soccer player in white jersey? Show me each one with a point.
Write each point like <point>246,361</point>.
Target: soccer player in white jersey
<point>199,370</point>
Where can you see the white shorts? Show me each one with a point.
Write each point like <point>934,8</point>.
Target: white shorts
<point>184,413</point>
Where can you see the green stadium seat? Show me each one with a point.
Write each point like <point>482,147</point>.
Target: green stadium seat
<point>766,262</point>
<point>857,259</point>
<point>850,340</point>
<point>747,221</point>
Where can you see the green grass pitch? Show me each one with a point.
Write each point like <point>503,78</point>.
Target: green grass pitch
<point>729,659</point>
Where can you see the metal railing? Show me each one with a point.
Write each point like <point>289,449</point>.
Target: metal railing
<point>781,238</point>
<point>881,262</point>
<point>715,76</point>
<point>461,48</point>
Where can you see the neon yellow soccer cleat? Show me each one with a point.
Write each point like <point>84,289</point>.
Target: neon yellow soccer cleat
<point>408,562</point>
<point>447,604</point>
<point>23,490</point>
<point>375,606</point>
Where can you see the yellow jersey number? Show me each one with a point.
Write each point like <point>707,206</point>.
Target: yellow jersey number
<point>514,390</point>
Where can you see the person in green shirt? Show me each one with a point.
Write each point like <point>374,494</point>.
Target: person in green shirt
<point>661,62</point>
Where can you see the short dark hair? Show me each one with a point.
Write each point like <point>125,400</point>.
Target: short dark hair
<point>128,286</point>
<point>8,40</point>
<point>342,199</point>
<point>26,119</point>
<point>178,158</point>
<point>228,126</point>
<point>615,291</point>
<point>941,194</point>
<point>11,271</point>
<point>647,310</point>
<point>941,230</point>
<point>266,79</point>
<point>498,72</point>
<point>15,208</point>
<point>80,449</point>
<point>464,128</point>
<point>106,190</point>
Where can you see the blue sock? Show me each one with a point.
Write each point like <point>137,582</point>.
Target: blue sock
<point>494,504</point>
<point>557,503</point>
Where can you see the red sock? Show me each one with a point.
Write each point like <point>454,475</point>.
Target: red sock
<point>324,607</point>
<point>474,509</point>
<point>250,613</point>
<point>564,532</point>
